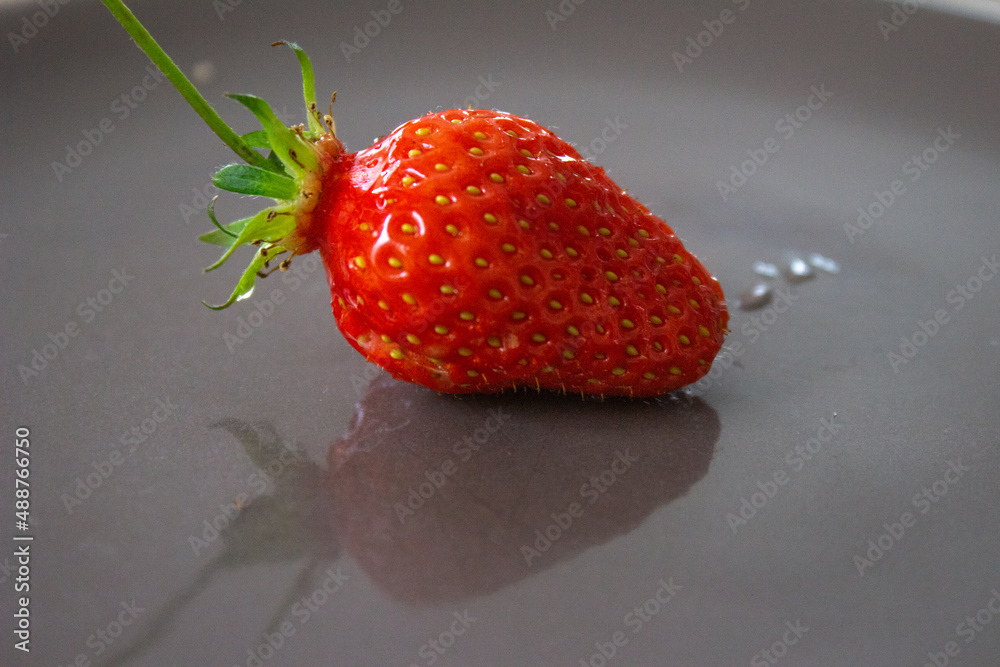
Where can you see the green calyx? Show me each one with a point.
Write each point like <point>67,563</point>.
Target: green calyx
<point>289,173</point>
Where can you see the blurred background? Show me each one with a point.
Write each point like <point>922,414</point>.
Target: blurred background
<point>241,488</point>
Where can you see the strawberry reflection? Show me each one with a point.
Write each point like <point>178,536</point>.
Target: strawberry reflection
<point>445,498</point>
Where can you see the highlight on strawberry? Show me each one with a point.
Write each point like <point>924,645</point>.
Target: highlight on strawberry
<point>469,251</point>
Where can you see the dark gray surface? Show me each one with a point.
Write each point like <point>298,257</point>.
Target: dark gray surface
<point>666,516</point>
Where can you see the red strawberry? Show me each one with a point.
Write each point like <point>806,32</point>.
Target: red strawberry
<point>474,251</point>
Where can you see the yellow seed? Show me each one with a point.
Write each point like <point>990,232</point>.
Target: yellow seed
<point>583,230</point>
<point>599,356</point>
<point>473,190</point>
<point>600,329</point>
<point>703,330</point>
<point>410,299</point>
<point>523,169</point>
<point>385,338</point>
<point>440,329</point>
<point>479,135</point>
<point>661,289</point>
<point>572,330</point>
<point>361,301</point>
<point>524,224</point>
<point>359,262</point>
<point>413,340</point>
<point>496,178</point>
<point>526,279</point>
<point>538,338</point>
<point>658,346</point>
<point>447,289</point>
<point>511,133</point>
<point>472,373</point>
<point>572,252</point>
<point>568,354</point>
<point>678,259</point>
<point>631,351</point>
<point>604,231</point>
<point>674,310</point>
<point>674,370</point>
<point>424,131</point>
<point>407,228</point>
<point>414,152</point>
<point>435,259</point>
<point>593,380</point>
<point>610,275</point>
<point>642,232</point>
<point>570,203</point>
<point>694,304</point>
<point>408,180</point>
<point>466,315</point>
<point>493,341</point>
<point>553,226</point>
<point>614,301</point>
<point>517,315</point>
<point>695,280</point>
<point>621,253</point>
<point>451,229</point>
<point>364,226</point>
<point>490,218</point>
<point>395,263</point>
<point>508,247</point>
<point>476,150</point>
<point>562,179</point>
<point>586,298</point>
<point>684,339</point>
<point>396,353</point>
<point>383,305</point>
<point>555,305</point>
<point>442,200</point>
<point>456,120</point>
<point>440,166</point>
<point>341,302</point>
<point>618,371</point>
<point>649,376</point>
<point>655,319</point>
<point>495,293</point>
<point>627,324</point>
<point>464,351</point>
<point>702,362</point>
<point>545,253</point>
<point>525,152</point>
<point>547,369</point>
<point>481,262</point>
<point>542,199</point>
<point>632,242</point>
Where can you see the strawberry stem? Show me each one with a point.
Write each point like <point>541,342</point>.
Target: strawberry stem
<point>187,89</point>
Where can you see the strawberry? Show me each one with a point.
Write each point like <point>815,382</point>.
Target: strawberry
<point>472,251</point>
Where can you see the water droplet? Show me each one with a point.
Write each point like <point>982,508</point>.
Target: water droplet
<point>797,270</point>
<point>765,269</point>
<point>824,263</point>
<point>756,297</point>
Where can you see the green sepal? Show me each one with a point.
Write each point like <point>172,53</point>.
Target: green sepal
<point>308,88</point>
<point>295,153</point>
<point>224,234</point>
<point>247,180</point>
<point>257,139</point>
<point>269,225</point>
<point>244,288</point>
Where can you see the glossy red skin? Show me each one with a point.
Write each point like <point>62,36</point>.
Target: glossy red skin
<point>389,313</point>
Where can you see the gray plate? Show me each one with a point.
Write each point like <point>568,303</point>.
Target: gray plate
<point>821,499</point>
